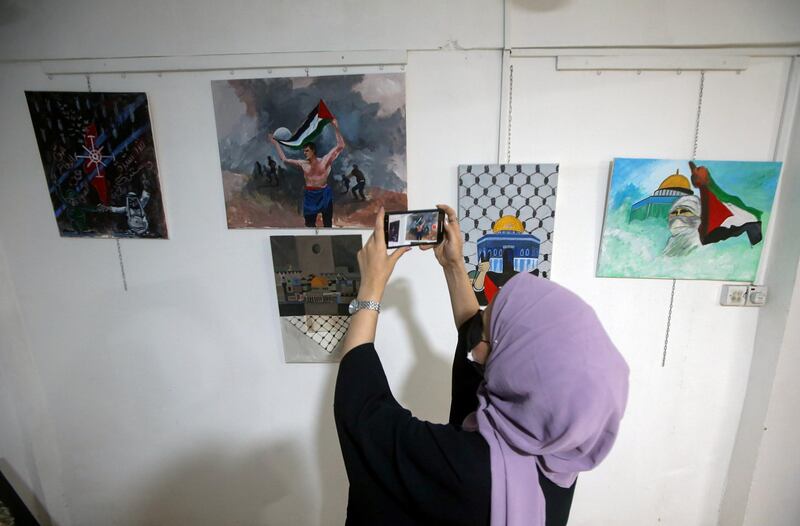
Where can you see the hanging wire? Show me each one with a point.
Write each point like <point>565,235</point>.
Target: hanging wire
<point>699,111</point>
<point>694,156</point>
<point>669,323</point>
<point>119,247</point>
<point>510,107</point>
<point>122,266</point>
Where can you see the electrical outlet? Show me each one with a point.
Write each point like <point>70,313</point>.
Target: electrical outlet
<point>734,295</point>
<point>756,295</point>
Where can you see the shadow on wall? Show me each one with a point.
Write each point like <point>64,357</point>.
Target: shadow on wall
<point>12,11</point>
<point>212,485</point>
<point>211,480</point>
<point>217,482</point>
<point>540,5</point>
<point>330,465</point>
<point>426,389</point>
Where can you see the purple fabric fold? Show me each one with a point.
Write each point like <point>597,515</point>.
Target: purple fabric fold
<point>554,392</point>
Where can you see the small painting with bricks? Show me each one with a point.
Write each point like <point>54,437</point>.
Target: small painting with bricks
<point>316,277</point>
<point>507,213</point>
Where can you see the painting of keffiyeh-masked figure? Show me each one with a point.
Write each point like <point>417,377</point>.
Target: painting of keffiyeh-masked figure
<point>686,219</point>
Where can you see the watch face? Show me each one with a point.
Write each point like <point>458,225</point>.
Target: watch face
<point>352,307</point>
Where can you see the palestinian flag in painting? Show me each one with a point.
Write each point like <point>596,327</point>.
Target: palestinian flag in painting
<point>723,215</point>
<point>311,128</point>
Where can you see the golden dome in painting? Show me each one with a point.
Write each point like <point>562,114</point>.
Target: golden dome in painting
<point>508,224</point>
<point>319,282</point>
<point>675,181</point>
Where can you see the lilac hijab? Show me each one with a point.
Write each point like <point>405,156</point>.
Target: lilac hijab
<point>553,395</point>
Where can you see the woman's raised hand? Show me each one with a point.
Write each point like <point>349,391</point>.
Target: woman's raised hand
<point>375,263</point>
<point>450,252</point>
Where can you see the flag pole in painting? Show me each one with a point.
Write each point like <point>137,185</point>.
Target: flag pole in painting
<point>723,215</point>
<point>311,128</point>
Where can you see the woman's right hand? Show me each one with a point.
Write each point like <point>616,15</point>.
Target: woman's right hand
<point>450,252</point>
<point>450,255</point>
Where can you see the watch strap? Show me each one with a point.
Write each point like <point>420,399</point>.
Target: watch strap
<point>367,305</point>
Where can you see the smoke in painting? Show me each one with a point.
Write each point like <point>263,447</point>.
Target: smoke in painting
<point>99,159</point>
<point>311,151</point>
<point>316,278</point>
<point>686,219</point>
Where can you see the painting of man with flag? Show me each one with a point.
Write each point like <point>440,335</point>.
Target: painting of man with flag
<point>672,219</point>
<point>317,194</point>
<point>320,129</point>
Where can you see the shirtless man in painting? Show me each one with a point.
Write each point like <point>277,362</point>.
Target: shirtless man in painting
<point>317,196</point>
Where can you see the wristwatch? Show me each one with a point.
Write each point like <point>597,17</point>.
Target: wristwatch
<point>357,305</point>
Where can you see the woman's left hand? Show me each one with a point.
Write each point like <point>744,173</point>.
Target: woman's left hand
<point>375,263</point>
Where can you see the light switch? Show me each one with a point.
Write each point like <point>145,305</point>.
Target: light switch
<point>756,295</point>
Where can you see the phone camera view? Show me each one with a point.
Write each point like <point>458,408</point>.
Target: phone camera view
<point>414,228</point>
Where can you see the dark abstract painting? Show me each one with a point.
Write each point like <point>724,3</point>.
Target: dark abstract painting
<point>99,159</point>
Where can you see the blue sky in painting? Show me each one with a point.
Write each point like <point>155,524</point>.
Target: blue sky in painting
<point>636,248</point>
<point>754,182</point>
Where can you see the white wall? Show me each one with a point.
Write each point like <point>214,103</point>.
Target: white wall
<point>29,453</point>
<point>681,422</point>
<point>114,28</point>
<point>565,23</point>
<point>771,359</point>
<point>172,401</point>
<point>776,481</point>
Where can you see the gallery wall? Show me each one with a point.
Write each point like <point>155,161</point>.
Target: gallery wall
<point>51,29</point>
<point>687,413</point>
<point>172,400</point>
<point>767,501</point>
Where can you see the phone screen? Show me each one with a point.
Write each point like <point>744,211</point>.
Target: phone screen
<point>414,227</point>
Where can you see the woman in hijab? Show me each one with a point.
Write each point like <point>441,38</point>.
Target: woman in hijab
<point>538,392</point>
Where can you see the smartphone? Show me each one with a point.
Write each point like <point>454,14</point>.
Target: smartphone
<point>413,227</point>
